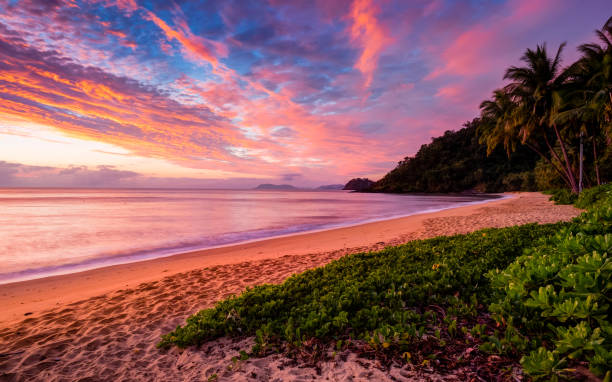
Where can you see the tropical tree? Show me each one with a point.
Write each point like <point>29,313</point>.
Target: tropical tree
<point>498,124</point>
<point>590,100</point>
<point>525,110</point>
<point>535,87</point>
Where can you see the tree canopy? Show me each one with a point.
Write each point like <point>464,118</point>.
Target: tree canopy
<point>549,126</point>
<point>457,162</point>
<point>554,111</point>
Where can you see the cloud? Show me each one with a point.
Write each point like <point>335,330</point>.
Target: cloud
<point>196,46</point>
<point>127,6</point>
<point>20,175</point>
<point>323,89</point>
<point>47,88</point>
<point>290,177</point>
<point>282,132</point>
<point>369,33</point>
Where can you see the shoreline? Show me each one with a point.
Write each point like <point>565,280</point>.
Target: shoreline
<point>68,269</point>
<point>104,324</point>
<point>34,295</point>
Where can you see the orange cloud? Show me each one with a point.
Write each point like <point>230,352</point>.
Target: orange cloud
<point>127,6</point>
<point>102,107</point>
<point>252,122</point>
<point>193,44</point>
<point>129,44</point>
<point>367,31</point>
<point>117,33</point>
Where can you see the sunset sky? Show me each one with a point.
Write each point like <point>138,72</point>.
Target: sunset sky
<point>142,93</point>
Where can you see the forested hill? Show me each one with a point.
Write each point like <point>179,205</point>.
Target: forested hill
<point>457,162</point>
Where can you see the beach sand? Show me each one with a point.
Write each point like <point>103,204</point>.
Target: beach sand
<point>103,324</point>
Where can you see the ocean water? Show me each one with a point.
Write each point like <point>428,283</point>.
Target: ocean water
<point>47,232</point>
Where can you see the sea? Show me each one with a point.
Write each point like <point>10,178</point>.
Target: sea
<point>45,232</point>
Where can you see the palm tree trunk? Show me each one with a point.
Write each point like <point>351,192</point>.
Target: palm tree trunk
<point>581,164</point>
<point>554,166</point>
<point>595,162</point>
<point>570,173</point>
<point>568,179</point>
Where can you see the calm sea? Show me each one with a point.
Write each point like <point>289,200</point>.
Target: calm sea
<point>46,232</point>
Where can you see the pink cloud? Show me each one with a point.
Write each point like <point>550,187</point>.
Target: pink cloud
<point>197,47</point>
<point>486,45</point>
<point>128,6</point>
<point>369,34</point>
<point>449,92</point>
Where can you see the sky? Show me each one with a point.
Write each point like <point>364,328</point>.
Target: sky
<point>234,93</point>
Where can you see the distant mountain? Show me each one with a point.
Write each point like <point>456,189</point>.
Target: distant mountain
<point>268,186</point>
<point>331,187</point>
<point>359,184</point>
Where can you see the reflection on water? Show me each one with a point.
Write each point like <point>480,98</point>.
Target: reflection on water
<point>45,232</point>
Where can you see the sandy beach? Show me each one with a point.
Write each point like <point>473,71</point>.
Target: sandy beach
<point>103,324</point>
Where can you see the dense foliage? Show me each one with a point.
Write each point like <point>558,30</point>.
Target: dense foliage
<point>456,162</point>
<point>594,197</point>
<point>588,198</point>
<point>554,300</point>
<point>562,114</point>
<point>562,196</point>
<point>547,285</point>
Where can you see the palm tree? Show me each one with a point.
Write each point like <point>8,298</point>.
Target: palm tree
<point>500,124</point>
<point>535,89</point>
<point>597,60</point>
<point>497,122</point>
<point>591,78</point>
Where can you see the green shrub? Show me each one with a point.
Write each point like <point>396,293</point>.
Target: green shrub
<point>555,298</point>
<point>593,196</point>
<point>366,293</point>
<point>562,196</point>
<point>588,198</point>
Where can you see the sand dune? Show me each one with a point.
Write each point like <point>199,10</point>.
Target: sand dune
<point>103,325</point>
